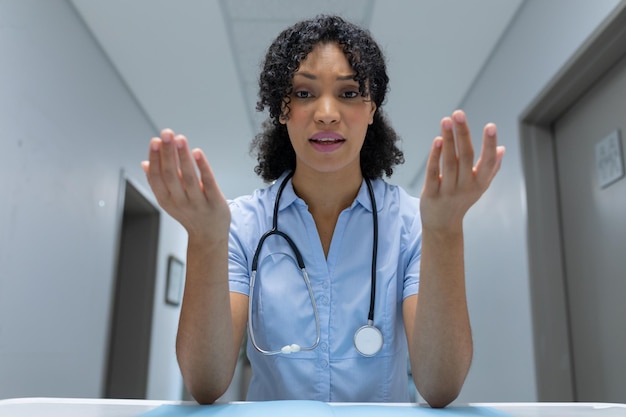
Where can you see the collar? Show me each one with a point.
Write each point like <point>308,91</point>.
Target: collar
<point>289,195</point>
<point>363,198</point>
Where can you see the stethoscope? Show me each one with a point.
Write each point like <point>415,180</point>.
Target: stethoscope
<point>368,339</point>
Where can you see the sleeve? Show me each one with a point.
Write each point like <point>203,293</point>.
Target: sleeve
<point>238,251</point>
<point>412,248</point>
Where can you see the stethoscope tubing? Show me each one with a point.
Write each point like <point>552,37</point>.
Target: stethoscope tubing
<point>370,190</point>
<point>274,231</point>
<point>318,330</point>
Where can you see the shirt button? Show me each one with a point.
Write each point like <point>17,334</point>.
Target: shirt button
<point>323,346</point>
<point>324,299</point>
<point>324,363</point>
<point>325,285</point>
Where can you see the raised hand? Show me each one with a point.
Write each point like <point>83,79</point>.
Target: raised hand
<point>453,183</point>
<point>193,199</point>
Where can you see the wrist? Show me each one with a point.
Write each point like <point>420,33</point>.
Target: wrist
<point>443,232</point>
<point>206,243</point>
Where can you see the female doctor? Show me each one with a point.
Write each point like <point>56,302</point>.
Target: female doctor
<point>322,267</point>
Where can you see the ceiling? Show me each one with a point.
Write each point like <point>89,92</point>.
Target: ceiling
<point>192,65</point>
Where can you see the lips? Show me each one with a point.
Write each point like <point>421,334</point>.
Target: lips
<point>326,142</point>
<point>327,138</point>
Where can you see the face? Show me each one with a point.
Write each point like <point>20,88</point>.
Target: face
<point>328,117</point>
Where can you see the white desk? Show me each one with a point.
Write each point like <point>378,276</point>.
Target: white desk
<point>67,407</point>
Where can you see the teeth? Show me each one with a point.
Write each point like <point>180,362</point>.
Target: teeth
<point>326,140</point>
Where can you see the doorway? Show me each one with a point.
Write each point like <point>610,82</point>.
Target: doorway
<point>577,223</point>
<point>129,342</point>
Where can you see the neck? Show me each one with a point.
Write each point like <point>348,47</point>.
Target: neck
<point>327,193</point>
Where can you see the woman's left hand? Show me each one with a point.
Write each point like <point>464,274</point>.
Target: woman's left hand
<point>453,183</point>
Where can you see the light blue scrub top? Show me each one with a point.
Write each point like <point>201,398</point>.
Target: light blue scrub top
<point>282,311</point>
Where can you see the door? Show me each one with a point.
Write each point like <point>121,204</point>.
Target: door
<point>129,346</point>
<point>593,227</point>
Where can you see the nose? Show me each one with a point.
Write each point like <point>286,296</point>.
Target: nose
<point>327,111</point>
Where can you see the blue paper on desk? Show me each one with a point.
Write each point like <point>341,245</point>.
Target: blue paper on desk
<point>305,408</point>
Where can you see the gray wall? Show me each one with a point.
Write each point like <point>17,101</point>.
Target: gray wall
<point>543,37</point>
<point>69,127</point>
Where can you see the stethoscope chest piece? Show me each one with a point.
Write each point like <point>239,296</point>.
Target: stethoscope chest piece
<point>368,340</point>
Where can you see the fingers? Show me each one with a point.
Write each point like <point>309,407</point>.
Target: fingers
<point>153,170</point>
<point>171,170</point>
<point>187,167</point>
<point>451,161</point>
<point>490,157</point>
<point>453,184</point>
<point>458,151</point>
<point>207,178</point>
<point>432,176</point>
<point>170,173</point>
<point>463,143</point>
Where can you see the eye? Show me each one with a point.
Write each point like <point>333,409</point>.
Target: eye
<point>350,94</point>
<point>302,94</point>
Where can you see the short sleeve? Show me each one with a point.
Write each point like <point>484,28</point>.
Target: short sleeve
<point>239,249</point>
<point>412,247</point>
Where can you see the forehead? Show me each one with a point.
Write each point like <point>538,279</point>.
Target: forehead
<point>326,57</point>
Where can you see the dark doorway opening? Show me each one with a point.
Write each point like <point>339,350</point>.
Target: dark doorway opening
<point>131,328</point>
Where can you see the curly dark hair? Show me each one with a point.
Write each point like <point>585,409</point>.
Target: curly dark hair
<point>275,154</point>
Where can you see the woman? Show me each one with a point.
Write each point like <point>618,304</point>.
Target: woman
<point>327,146</point>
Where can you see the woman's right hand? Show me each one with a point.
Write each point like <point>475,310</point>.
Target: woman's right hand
<point>195,201</point>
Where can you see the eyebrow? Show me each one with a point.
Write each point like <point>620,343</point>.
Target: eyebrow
<point>314,77</point>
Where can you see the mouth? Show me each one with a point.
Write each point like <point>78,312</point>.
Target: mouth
<point>326,138</point>
<point>327,141</point>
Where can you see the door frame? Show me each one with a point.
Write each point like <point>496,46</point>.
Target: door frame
<point>554,370</point>
<point>133,288</point>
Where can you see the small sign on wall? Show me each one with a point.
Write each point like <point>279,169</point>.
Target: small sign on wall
<point>609,159</point>
<point>175,281</point>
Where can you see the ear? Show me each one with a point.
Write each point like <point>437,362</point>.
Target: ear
<point>372,111</point>
<point>282,119</point>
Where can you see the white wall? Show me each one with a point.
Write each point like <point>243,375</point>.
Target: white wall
<point>544,35</point>
<point>68,128</point>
